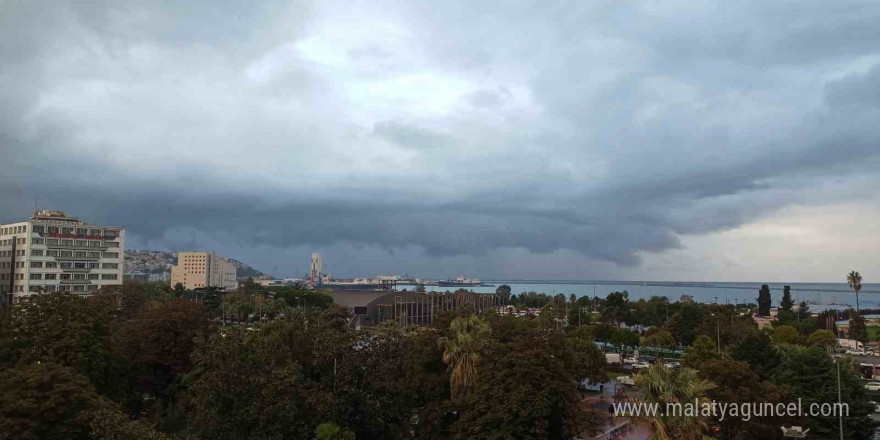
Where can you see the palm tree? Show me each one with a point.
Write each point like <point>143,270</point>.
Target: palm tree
<point>854,279</point>
<point>660,386</point>
<point>461,351</point>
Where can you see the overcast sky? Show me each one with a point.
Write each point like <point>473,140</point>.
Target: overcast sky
<point>659,140</point>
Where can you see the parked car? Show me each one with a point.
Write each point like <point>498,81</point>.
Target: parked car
<point>630,360</point>
<point>673,365</point>
<point>641,365</point>
<point>872,386</point>
<point>626,380</point>
<point>855,352</point>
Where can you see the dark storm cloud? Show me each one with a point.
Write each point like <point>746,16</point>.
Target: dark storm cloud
<point>607,132</point>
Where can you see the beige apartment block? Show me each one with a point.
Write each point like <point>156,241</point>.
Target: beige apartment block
<point>53,252</point>
<point>203,269</point>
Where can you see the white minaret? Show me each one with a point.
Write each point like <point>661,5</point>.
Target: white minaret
<point>316,269</point>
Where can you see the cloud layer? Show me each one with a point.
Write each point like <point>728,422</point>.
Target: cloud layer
<point>575,140</point>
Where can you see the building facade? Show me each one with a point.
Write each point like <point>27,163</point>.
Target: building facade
<point>203,269</point>
<point>53,252</point>
<point>316,269</point>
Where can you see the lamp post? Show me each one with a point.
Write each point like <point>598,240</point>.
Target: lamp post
<point>839,400</point>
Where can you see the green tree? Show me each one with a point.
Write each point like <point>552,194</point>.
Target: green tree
<point>854,280</point>
<point>757,350</point>
<point>179,290</point>
<point>703,350</point>
<point>857,328</point>
<point>812,377</point>
<point>251,387</point>
<point>786,335</point>
<point>504,404</point>
<point>660,339</point>
<point>764,300</point>
<point>69,330</point>
<point>683,323</point>
<point>250,284</point>
<point>44,400</point>
<point>330,431</point>
<point>503,291</point>
<point>625,338</point>
<point>660,385</point>
<point>822,338</point>
<point>736,383</point>
<point>462,351</point>
<point>157,346</point>
<point>615,307</point>
<point>787,303</point>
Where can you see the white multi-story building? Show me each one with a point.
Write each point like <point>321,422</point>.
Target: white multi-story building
<point>53,252</point>
<point>203,269</point>
<point>316,269</point>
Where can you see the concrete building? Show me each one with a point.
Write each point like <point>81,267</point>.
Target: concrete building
<point>203,269</point>
<point>316,269</point>
<point>53,252</point>
<point>371,307</point>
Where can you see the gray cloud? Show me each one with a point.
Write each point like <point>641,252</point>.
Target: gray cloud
<point>569,141</point>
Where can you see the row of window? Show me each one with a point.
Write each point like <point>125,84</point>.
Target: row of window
<point>62,288</point>
<point>8,241</point>
<point>62,276</point>
<point>13,230</point>
<point>75,276</point>
<point>61,264</point>
<point>40,229</point>
<point>61,253</point>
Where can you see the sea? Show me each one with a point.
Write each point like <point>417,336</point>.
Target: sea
<point>819,296</point>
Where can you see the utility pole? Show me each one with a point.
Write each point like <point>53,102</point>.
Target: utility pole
<point>839,400</point>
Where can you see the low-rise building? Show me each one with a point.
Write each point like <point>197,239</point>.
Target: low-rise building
<point>203,269</point>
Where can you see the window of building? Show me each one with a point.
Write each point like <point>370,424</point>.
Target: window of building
<point>82,243</point>
<point>66,264</point>
<point>95,232</point>
<point>79,288</point>
<point>82,231</point>
<point>79,265</point>
<point>108,276</point>
<point>112,244</point>
<point>80,254</point>
<point>111,254</point>
<point>79,276</point>
<point>50,276</point>
<point>92,287</point>
<point>35,276</point>
<point>36,264</point>
<point>34,288</point>
<point>38,229</point>
<point>67,242</point>
<point>52,253</point>
<point>51,265</point>
<point>64,276</point>
<point>36,241</point>
<point>52,241</point>
<point>66,230</point>
<point>93,276</point>
<point>67,254</point>
<point>52,229</point>
<point>95,243</point>
<point>94,255</point>
<point>64,288</point>
<point>49,288</point>
<point>92,265</point>
<point>110,266</point>
<point>37,252</point>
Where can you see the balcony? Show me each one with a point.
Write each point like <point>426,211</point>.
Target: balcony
<point>76,282</point>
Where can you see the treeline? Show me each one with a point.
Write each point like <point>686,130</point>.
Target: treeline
<point>141,362</point>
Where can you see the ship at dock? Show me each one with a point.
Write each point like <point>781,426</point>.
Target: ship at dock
<point>461,281</point>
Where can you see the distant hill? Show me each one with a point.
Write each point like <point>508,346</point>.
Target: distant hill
<point>160,261</point>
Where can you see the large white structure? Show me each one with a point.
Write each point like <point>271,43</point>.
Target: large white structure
<point>203,269</point>
<point>53,252</point>
<point>316,269</point>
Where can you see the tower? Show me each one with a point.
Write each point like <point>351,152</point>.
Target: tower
<point>316,269</point>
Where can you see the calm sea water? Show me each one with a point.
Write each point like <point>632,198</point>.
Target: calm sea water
<point>820,296</point>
